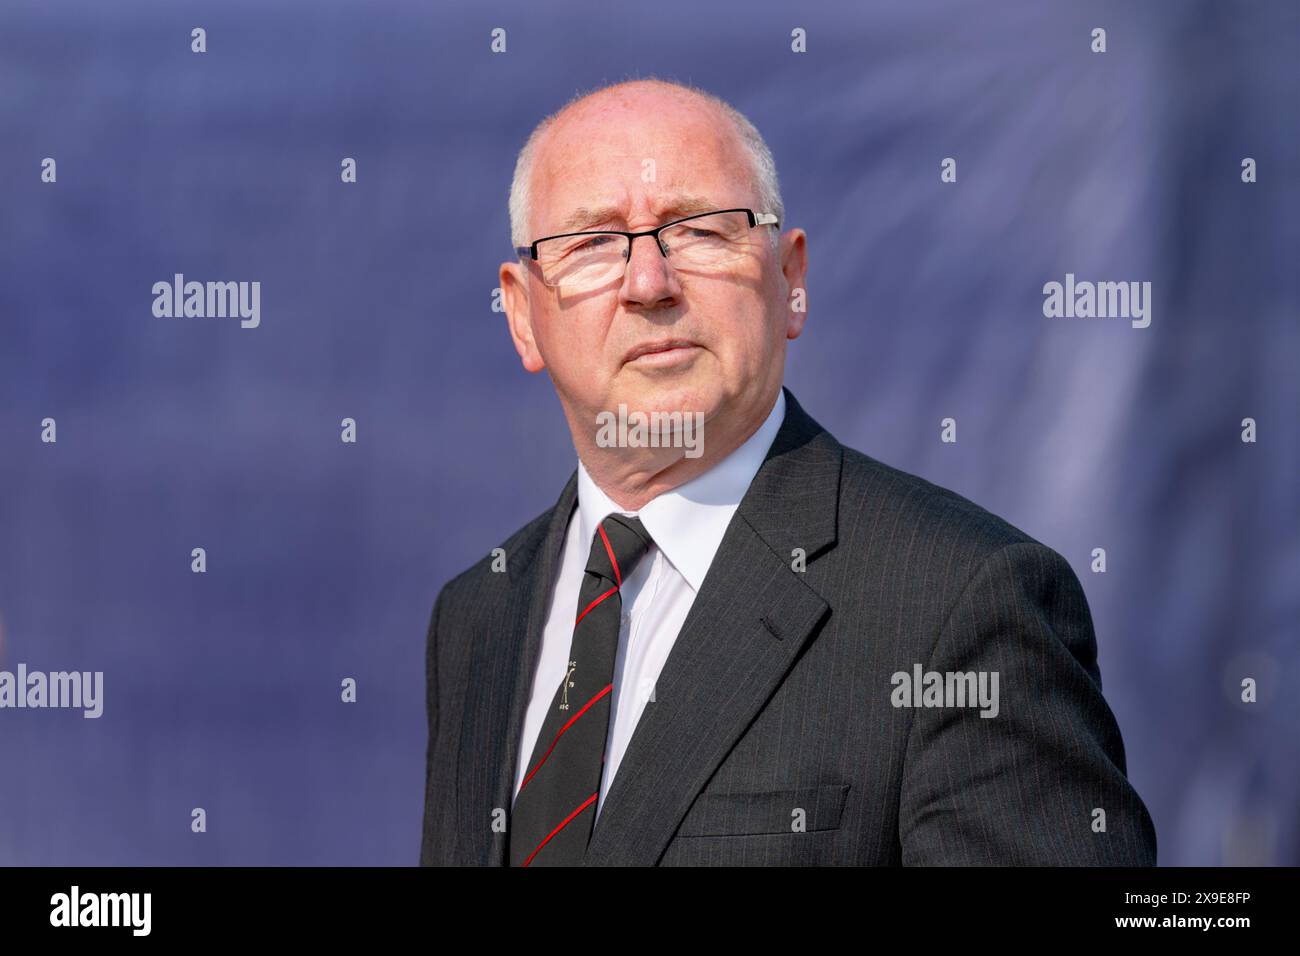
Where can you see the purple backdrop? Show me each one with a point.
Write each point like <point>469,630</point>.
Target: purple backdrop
<point>221,690</point>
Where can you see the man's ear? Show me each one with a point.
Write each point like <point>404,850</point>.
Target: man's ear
<point>519,316</point>
<point>793,250</point>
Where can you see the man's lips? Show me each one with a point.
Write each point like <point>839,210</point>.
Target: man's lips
<point>662,351</point>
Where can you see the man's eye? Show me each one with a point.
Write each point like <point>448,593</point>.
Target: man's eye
<point>592,242</point>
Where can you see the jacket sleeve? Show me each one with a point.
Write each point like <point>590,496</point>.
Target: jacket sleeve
<point>429,836</point>
<point>1041,779</point>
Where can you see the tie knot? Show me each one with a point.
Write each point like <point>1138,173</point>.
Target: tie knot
<point>619,543</point>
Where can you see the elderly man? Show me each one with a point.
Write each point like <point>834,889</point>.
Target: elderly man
<point>734,640</point>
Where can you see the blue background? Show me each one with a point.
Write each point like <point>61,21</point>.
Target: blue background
<point>925,301</point>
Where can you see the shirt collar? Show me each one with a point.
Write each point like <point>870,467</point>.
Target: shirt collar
<point>688,522</point>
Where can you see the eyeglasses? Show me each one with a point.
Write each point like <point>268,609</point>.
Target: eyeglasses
<point>708,242</point>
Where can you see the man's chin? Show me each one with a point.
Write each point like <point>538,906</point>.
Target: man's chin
<point>668,398</point>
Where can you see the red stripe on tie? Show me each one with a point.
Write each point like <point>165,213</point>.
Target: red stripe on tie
<point>618,578</point>
<point>564,823</point>
<point>608,688</point>
<point>593,604</point>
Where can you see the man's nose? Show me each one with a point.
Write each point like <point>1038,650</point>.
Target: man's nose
<point>650,280</point>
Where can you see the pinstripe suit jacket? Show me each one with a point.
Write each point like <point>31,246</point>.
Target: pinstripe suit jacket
<point>773,736</point>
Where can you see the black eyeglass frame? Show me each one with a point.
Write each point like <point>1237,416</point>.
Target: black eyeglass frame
<point>755,219</point>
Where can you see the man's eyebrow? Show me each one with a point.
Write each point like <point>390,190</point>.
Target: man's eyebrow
<point>680,207</point>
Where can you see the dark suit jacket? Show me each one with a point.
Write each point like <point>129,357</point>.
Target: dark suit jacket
<point>776,697</point>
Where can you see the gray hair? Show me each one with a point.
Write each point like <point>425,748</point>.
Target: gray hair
<point>763,167</point>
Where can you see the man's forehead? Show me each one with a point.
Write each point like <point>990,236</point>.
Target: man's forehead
<point>576,196</point>
<point>674,205</point>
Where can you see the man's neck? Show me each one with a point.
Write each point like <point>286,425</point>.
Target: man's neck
<point>633,477</point>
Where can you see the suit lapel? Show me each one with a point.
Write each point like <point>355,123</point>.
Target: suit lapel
<point>750,620</point>
<point>501,673</point>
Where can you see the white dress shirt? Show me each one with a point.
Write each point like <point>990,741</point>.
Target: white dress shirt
<point>687,525</point>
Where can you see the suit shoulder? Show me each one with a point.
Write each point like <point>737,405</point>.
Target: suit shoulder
<point>909,507</point>
<point>931,544</point>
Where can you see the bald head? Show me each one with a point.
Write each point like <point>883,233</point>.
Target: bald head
<point>558,138</point>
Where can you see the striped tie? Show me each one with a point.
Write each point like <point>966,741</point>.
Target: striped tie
<point>555,809</point>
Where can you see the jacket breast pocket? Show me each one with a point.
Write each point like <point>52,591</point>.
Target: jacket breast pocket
<point>765,811</point>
